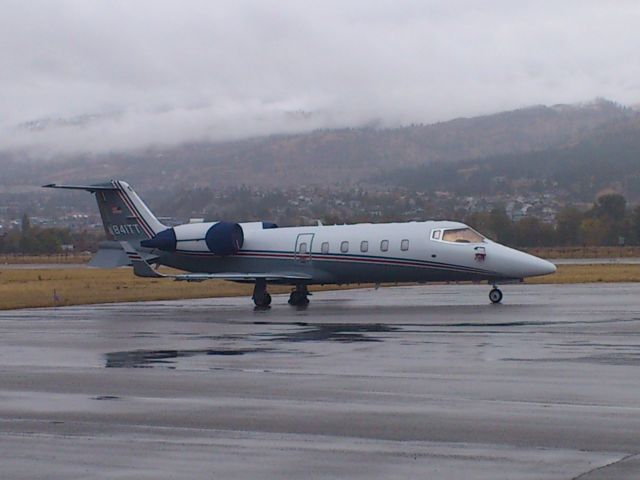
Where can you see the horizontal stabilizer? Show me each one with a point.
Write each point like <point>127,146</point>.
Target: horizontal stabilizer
<point>88,188</point>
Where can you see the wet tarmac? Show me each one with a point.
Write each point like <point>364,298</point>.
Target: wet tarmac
<point>407,382</point>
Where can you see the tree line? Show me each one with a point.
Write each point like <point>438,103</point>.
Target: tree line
<point>608,222</point>
<point>34,240</point>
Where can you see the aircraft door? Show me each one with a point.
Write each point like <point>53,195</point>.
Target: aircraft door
<point>302,252</point>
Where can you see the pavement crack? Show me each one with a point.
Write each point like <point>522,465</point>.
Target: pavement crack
<point>589,472</point>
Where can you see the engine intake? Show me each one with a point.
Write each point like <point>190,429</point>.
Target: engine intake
<point>224,238</point>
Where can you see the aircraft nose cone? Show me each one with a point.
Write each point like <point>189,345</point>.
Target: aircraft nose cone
<point>543,267</point>
<point>531,266</point>
<point>516,264</point>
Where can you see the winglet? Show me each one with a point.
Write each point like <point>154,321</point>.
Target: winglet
<point>140,267</point>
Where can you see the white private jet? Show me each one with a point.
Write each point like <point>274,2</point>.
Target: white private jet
<point>262,253</point>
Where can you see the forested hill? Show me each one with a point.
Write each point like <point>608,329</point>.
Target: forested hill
<point>329,157</point>
<point>608,158</point>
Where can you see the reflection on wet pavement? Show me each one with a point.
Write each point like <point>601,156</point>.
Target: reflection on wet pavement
<point>335,333</point>
<point>166,358</point>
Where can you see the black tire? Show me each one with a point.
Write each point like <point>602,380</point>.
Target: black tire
<point>293,298</point>
<point>298,299</point>
<point>495,295</point>
<point>265,301</point>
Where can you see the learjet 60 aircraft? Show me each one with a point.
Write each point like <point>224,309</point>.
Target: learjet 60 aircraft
<point>262,253</point>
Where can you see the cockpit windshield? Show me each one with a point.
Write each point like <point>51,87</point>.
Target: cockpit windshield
<point>462,235</point>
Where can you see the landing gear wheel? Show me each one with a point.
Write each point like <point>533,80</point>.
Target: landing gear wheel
<point>298,299</point>
<point>299,296</point>
<point>260,296</point>
<point>263,301</point>
<point>495,295</point>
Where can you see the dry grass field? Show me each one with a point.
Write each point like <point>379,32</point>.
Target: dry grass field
<point>609,273</point>
<point>584,252</point>
<point>60,287</point>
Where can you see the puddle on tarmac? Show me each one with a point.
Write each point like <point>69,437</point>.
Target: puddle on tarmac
<point>335,332</point>
<point>167,358</point>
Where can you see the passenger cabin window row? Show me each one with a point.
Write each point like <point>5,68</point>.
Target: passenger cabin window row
<point>364,246</point>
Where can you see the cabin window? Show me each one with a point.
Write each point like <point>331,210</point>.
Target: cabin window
<point>303,247</point>
<point>436,234</point>
<point>462,235</point>
<point>384,245</point>
<point>364,246</point>
<point>404,245</point>
<point>344,247</point>
<point>324,247</point>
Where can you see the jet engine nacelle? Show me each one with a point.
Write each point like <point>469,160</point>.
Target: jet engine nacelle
<point>221,238</point>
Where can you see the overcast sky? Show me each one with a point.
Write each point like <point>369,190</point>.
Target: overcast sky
<point>165,72</point>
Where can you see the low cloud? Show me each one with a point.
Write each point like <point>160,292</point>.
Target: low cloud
<point>97,77</point>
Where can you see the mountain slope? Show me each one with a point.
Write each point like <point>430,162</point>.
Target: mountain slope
<point>343,156</point>
<point>608,158</point>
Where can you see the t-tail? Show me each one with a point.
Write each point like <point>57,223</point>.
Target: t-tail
<point>124,214</point>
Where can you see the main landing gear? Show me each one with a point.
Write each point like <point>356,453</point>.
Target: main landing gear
<point>495,295</point>
<point>299,296</point>
<point>261,297</point>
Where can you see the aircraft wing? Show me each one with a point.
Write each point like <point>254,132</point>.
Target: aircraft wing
<point>142,269</point>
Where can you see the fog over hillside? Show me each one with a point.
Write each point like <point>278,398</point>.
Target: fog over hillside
<point>331,157</point>
<point>88,79</point>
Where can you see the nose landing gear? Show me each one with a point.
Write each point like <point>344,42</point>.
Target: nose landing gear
<point>495,295</point>
<point>299,296</point>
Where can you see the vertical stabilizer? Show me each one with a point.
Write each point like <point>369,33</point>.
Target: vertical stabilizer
<point>124,214</point>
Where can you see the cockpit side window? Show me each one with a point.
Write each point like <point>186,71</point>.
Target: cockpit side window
<point>436,234</point>
<point>462,235</point>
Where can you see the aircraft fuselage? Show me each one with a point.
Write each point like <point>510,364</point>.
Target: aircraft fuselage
<point>366,253</point>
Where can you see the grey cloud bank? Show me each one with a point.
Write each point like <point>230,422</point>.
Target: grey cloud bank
<point>157,73</point>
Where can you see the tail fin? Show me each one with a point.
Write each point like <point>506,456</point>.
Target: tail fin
<point>124,214</point>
